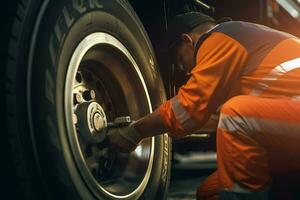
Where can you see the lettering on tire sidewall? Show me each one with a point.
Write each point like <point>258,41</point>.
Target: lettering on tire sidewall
<point>69,14</point>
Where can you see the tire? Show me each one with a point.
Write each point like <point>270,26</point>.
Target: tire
<point>51,44</point>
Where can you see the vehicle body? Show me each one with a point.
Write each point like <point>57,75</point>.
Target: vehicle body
<point>54,56</point>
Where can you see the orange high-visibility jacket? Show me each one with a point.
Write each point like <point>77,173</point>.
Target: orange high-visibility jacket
<point>234,58</point>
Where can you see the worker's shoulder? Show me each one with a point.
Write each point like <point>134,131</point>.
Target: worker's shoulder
<point>251,35</point>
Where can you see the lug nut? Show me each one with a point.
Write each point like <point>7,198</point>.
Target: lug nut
<point>89,95</point>
<point>77,98</point>
<point>93,94</point>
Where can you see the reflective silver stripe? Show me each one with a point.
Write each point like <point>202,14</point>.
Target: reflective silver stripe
<point>182,115</point>
<point>296,98</point>
<point>275,74</point>
<point>251,126</point>
<point>244,125</point>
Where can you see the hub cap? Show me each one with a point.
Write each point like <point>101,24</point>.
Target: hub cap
<point>91,121</point>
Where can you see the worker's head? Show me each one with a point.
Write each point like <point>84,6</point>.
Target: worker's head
<point>183,33</point>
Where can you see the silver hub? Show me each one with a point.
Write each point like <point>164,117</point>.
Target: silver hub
<point>98,121</point>
<point>92,121</point>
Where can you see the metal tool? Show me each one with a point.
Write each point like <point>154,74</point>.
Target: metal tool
<point>120,122</point>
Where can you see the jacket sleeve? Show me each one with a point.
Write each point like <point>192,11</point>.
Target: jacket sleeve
<point>220,60</point>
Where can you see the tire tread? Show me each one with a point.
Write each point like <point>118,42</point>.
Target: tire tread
<point>16,155</point>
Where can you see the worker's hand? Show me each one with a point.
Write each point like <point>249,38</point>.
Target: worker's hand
<point>124,139</point>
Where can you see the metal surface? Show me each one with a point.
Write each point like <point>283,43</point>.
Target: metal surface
<point>205,6</point>
<point>120,122</point>
<point>91,121</point>
<point>102,64</point>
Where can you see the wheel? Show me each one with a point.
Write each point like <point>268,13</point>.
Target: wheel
<point>73,66</point>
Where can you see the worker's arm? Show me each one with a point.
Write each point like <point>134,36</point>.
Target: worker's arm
<point>126,139</point>
<point>151,125</point>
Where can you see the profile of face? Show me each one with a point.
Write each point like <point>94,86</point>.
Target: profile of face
<point>184,53</point>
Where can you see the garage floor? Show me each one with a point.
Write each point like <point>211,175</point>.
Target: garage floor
<point>187,176</point>
<point>184,188</point>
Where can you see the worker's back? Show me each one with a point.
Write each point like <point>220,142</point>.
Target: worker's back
<point>273,65</point>
<point>249,59</point>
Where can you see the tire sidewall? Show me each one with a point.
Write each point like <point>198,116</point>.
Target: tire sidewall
<point>64,25</point>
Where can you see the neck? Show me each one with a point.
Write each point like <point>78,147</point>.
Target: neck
<point>196,35</point>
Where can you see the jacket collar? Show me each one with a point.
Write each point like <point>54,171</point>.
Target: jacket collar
<point>203,38</point>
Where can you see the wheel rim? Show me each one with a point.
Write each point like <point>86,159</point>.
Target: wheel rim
<point>103,78</point>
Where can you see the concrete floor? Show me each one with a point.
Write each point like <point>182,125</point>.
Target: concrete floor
<point>184,189</point>
<point>187,175</point>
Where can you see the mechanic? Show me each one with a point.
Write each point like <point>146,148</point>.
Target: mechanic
<point>250,71</point>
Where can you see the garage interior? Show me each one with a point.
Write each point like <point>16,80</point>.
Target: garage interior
<point>56,85</point>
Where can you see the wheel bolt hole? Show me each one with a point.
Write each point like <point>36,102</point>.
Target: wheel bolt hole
<point>78,77</point>
<point>89,95</point>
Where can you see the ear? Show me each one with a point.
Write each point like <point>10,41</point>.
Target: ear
<point>186,38</point>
